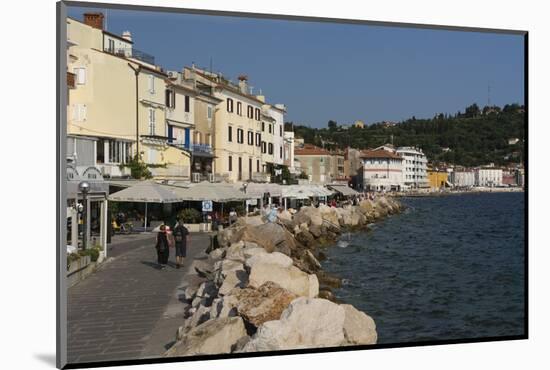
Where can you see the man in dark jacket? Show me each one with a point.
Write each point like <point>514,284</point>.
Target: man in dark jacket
<point>163,247</point>
<point>181,236</point>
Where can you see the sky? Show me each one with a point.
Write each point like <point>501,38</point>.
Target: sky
<point>334,71</point>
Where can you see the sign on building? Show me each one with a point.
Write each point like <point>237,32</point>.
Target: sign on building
<point>207,206</point>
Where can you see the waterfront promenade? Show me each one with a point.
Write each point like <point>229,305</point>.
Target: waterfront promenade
<point>128,308</point>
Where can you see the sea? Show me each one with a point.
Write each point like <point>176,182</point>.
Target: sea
<point>447,268</point>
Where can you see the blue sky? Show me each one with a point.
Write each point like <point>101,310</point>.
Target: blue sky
<point>343,72</point>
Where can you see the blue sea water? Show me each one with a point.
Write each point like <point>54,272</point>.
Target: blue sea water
<point>447,268</point>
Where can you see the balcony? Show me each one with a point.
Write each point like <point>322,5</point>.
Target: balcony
<point>132,53</point>
<point>201,148</point>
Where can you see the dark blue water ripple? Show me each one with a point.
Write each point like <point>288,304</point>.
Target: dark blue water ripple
<point>447,268</point>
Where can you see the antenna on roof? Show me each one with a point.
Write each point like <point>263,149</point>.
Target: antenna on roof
<point>488,94</point>
<point>210,65</point>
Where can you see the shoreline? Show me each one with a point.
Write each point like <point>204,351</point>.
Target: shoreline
<point>262,287</point>
<point>458,192</point>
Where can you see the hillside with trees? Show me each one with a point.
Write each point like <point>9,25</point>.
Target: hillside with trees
<point>470,138</point>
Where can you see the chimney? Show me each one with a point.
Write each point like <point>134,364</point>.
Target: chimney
<point>94,20</point>
<point>127,35</point>
<point>243,84</point>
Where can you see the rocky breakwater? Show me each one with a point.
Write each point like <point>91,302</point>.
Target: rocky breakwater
<point>262,287</point>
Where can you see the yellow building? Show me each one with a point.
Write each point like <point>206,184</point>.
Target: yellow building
<point>437,179</point>
<point>242,144</point>
<point>105,99</point>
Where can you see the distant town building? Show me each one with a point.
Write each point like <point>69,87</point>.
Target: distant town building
<point>488,177</point>
<point>316,162</point>
<point>359,124</point>
<point>462,178</point>
<point>289,151</point>
<point>438,179</point>
<point>382,170</point>
<point>513,141</point>
<point>414,167</point>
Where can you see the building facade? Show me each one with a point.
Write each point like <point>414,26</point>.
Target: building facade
<point>382,171</point>
<point>415,165</point>
<point>488,177</point>
<point>316,163</point>
<point>462,178</point>
<point>119,100</point>
<point>437,179</point>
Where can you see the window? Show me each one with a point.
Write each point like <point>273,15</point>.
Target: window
<point>264,145</point>
<point>240,135</point>
<point>230,105</point>
<point>79,112</point>
<point>257,165</point>
<point>250,138</point>
<point>281,130</point>
<point>118,151</point>
<point>250,168</point>
<point>263,126</point>
<point>250,112</point>
<point>270,148</point>
<point>151,121</point>
<point>170,99</point>
<point>281,152</point>
<point>230,163</point>
<point>209,112</point>
<point>270,128</point>
<point>186,103</point>
<point>239,108</point>
<point>151,84</point>
<point>111,47</point>
<point>257,114</point>
<point>229,133</point>
<point>258,139</point>
<point>80,73</point>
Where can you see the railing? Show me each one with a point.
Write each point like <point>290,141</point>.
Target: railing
<point>132,53</point>
<point>202,148</point>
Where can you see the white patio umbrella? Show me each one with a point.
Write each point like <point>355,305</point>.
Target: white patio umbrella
<point>146,192</point>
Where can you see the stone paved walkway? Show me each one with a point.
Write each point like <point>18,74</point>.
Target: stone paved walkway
<point>128,308</point>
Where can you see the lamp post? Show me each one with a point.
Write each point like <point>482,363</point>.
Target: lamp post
<point>84,188</point>
<point>245,185</point>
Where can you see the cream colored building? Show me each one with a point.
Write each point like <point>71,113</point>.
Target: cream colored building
<point>103,102</point>
<point>316,163</point>
<point>242,141</point>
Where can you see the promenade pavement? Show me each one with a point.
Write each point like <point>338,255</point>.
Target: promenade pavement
<point>128,308</point>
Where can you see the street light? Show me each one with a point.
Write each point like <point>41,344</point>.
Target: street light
<point>245,185</point>
<point>84,188</point>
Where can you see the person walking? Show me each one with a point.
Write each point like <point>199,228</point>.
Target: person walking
<point>163,247</point>
<point>181,237</point>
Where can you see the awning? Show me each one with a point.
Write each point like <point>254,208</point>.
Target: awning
<point>257,190</point>
<point>146,192</point>
<point>343,189</point>
<point>305,191</point>
<point>216,192</point>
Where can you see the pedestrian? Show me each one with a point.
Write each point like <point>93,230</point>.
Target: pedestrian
<point>163,247</point>
<point>181,237</point>
<point>232,216</point>
<point>215,221</point>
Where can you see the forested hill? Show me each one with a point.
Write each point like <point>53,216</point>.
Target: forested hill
<point>470,138</point>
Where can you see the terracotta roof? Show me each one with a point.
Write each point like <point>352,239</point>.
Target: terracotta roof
<point>310,149</point>
<point>380,153</point>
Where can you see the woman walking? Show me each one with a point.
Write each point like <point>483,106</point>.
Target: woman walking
<point>163,247</point>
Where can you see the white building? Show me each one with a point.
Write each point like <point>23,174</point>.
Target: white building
<point>462,179</point>
<point>288,154</point>
<point>382,170</point>
<point>278,113</point>
<point>415,165</point>
<point>488,177</point>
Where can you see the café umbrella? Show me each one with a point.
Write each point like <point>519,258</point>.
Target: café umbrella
<point>146,192</point>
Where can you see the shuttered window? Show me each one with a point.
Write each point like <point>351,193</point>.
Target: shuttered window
<point>187,103</point>
<point>151,121</point>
